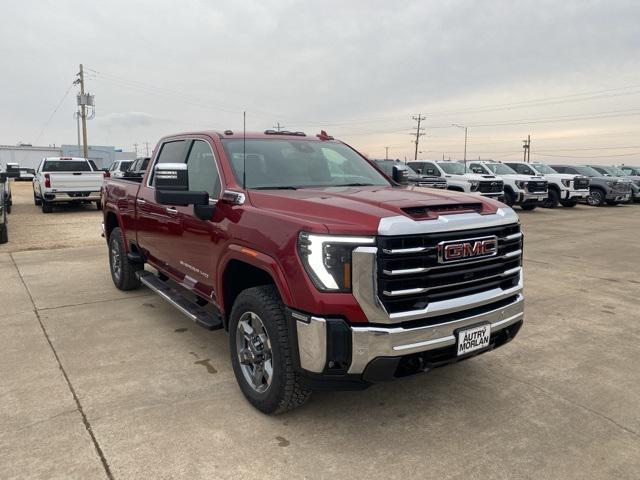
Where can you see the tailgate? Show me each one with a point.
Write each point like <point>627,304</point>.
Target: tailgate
<point>76,181</point>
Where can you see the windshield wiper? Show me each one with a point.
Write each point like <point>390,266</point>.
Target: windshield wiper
<point>275,187</point>
<point>354,185</point>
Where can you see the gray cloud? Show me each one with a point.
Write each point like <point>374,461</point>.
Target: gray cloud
<point>361,68</point>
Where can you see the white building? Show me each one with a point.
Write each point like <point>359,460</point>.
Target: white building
<point>28,156</point>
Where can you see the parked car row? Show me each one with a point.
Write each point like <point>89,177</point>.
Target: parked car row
<point>527,185</point>
<point>6,201</point>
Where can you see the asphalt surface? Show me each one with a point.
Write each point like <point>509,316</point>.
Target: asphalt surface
<point>97,383</point>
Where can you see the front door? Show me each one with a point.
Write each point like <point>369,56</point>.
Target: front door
<point>160,226</point>
<point>201,239</point>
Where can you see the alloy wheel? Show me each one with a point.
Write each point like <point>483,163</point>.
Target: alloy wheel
<point>253,348</point>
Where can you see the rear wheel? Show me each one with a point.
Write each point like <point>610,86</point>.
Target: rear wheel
<point>568,203</point>
<point>46,207</point>
<point>261,352</point>
<point>99,205</point>
<point>36,201</point>
<point>596,197</point>
<point>552,200</point>
<point>123,271</point>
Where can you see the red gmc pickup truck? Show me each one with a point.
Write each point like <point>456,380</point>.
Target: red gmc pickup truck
<point>326,273</point>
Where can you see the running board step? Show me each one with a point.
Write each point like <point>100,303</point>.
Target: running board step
<point>191,309</point>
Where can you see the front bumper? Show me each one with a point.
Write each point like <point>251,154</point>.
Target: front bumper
<point>529,197</point>
<point>362,352</point>
<point>575,194</point>
<point>72,196</point>
<point>491,194</point>
<point>618,197</point>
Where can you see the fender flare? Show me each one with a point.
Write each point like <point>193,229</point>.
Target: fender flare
<point>256,259</point>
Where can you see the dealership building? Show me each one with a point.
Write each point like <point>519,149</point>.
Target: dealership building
<point>29,156</point>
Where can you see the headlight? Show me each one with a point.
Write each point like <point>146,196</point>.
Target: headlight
<point>612,184</point>
<point>474,184</point>
<point>521,183</point>
<point>327,259</point>
<point>566,183</point>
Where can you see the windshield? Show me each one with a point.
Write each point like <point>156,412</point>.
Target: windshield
<point>124,166</point>
<point>452,168</point>
<point>66,166</point>
<point>587,171</point>
<point>299,163</point>
<point>500,168</point>
<point>615,171</point>
<point>544,169</point>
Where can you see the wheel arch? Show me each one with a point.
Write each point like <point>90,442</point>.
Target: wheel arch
<point>244,268</point>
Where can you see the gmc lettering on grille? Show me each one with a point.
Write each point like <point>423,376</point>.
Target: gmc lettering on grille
<point>467,249</point>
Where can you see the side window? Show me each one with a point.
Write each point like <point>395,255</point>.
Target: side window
<point>477,168</point>
<point>171,152</point>
<point>202,170</point>
<point>429,168</point>
<point>524,169</point>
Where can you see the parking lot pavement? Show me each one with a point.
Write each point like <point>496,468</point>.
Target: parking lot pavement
<point>159,397</point>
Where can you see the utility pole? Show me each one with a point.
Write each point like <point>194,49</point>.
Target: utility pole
<point>386,153</point>
<point>527,149</point>
<point>83,114</point>
<point>278,127</point>
<point>135,146</point>
<point>418,133</point>
<point>146,145</point>
<point>465,142</point>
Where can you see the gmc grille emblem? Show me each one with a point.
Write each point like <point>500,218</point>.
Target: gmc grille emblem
<point>467,249</point>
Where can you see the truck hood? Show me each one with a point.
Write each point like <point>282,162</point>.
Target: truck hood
<point>563,176</point>
<point>470,176</point>
<point>524,178</point>
<point>358,210</point>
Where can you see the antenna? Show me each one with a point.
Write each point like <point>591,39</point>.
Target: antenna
<point>244,150</point>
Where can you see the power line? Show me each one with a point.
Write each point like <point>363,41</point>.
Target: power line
<point>55,110</point>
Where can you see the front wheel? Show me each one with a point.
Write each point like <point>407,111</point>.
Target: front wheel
<point>596,197</point>
<point>509,198</point>
<point>261,352</point>
<point>529,206</point>
<point>553,199</point>
<point>568,203</point>
<point>36,201</point>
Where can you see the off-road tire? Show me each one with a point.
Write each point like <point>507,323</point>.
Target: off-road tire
<point>553,199</point>
<point>46,207</point>
<point>568,203</point>
<point>286,391</point>
<point>36,201</point>
<point>126,279</point>
<point>529,206</point>
<point>597,197</point>
<point>4,234</point>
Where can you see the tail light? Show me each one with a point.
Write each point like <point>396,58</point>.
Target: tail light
<point>47,181</point>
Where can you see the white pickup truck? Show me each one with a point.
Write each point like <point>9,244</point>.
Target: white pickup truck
<point>66,180</point>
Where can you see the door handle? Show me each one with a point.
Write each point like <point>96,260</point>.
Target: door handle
<point>139,201</point>
<point>172,211</point>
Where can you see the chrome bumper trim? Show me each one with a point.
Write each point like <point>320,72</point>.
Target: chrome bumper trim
<point>372,342</point>
<point>312,343</point>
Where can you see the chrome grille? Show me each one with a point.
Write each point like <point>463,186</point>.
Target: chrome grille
<point>410,277</point>
<point>536,186</point>
<point>494,186</point>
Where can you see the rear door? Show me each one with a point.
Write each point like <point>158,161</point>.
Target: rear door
<point>159,226</point>
<point>202,240</point>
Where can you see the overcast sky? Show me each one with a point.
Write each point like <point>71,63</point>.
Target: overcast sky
<point>358,69</point>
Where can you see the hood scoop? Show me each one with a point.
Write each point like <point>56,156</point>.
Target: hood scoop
<point>434,211</point>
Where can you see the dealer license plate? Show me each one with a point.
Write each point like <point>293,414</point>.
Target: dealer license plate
<point>473,338</point>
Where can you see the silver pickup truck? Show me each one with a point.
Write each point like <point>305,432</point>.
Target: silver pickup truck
<point>66,179</point>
